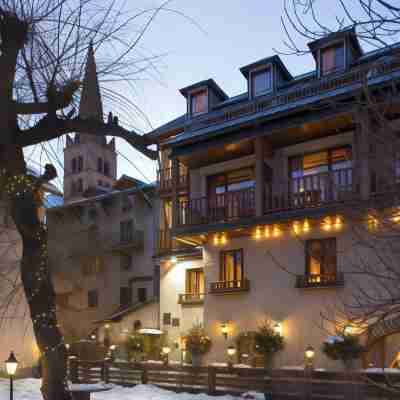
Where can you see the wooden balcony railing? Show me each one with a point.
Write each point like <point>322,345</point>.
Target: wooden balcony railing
<point>221,287</point>
<point>311,191</point>
<point>223,207</point>
<point>191,298</point>
<point>165,179</point>
<point>320,280</point>
<point>167,244</point>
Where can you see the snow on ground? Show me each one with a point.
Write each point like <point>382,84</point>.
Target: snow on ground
<point>29,389</point>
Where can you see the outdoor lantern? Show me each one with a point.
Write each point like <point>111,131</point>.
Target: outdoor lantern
<point>278,329</point>
<point>348,330</point>
<point>11,364</point>
<point>309,353</point>
<point>93,337</point>
<point>231,351</point>
<point>67,346</point>
<point>225,330</point>
<point>113,347</point>
<point>11,368</point>
<point>166,350</point>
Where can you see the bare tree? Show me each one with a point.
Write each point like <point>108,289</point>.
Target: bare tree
<point>374,255</point>
<point>43,44</point>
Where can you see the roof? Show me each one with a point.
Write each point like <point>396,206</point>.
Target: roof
<point>269,60</point>
<point>186,129</point>
<point>121,311</point>
<point>209,83</point>
<point>139,189</point>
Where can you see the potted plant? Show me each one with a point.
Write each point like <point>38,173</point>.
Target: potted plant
<point>197,344</point>
<point>268,342</point>
<point>134,346</point>
<point>346,348</point>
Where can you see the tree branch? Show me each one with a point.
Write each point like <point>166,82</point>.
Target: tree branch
<point>49,128</point>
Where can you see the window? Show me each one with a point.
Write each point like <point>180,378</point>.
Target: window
<point>125,296</point>
<point>126,231</point>
<point>198,102</point>
<point>321,257</point>
<point>175,322</point>
<point>231,267</point>
<point>100,165</point>
<point>261,82</point>
<point>79,187</point>
<point>332,59</point>
<point>125,262</point>
<point>80,163</point>
<point>231,181</point>
<point>195,281</point>
<point>321,175</point>
<point>92,266</point>
<point>93,298</point>
<point>142,294</point>
<point>167,319</point>
<point>106,168</point>
<point>73,165</point>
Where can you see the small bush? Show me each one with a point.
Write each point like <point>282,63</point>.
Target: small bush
<point>267,341</point>
<point>197,342</point>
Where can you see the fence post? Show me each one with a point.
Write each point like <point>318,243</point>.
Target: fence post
<point>144,374</point>
<point>73,369</point>
<point>105,371</point>
<point>212,377</point>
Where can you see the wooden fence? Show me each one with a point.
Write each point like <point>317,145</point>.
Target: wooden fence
<point>279,384</point>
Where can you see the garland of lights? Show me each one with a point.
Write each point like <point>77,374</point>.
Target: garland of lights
<point>16,186</point>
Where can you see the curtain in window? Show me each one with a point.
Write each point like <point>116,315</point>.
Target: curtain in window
<point>195,282</point>
<point>231,266</point>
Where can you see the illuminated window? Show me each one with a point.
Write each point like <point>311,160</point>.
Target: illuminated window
<point>321,258</point>
<point>231,267</point>
<point>332,59</point>
<point>199,102</point>
<point>194,281</point>
<point>261,82</point>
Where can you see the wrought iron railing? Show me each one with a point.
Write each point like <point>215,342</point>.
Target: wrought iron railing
<point>242,285</point>
<point>191,298</point>
<point>320,280</point>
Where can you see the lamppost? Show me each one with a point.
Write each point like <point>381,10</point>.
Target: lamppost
<point>11,368</point>
<point>309,355</point>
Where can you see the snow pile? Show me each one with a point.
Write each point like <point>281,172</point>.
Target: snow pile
<point>382,370</point>
<point>29,389</point>
<point>334,339</point>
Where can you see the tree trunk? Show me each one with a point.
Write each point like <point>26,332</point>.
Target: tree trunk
<point>21,192</point>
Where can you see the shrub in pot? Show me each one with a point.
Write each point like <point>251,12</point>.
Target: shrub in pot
<point>268,342</point>
<point>346,348</point>
<point>197,344</point>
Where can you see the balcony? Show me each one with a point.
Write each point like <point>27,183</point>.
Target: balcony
<point>224,287</point>
<point>311,191</point>
<point>125,245</point>
<point>191,299</point>
<point>320,281</point>
<point>165,180</point>
<point>225,207</point>
<point>166,244</point>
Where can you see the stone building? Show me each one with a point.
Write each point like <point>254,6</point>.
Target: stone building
<point>257,193</point>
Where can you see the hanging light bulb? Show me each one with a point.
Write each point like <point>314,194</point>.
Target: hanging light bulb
<point>296,227</point>
<point>216,240</point>
<point>306,226</point>
<point>266,232</point>
<point>338,222</point>
<point>223,239</point>
<point>258,233</point>
<point>327,225</point>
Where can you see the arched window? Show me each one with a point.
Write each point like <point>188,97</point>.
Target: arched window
<point>80,186</point>
<point>100,164</point>
<point>106,168</point>
<point>80,163</point>
<point>73,165</point>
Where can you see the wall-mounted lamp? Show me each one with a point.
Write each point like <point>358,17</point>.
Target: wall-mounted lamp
<point>225,330</point>
<point>278,329</point>
<point>231,350</point>
<point>348,330</point>
<point>166,350</point>
<point>107,326</point>
<point>309,356</point>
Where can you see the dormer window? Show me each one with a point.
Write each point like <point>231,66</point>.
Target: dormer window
<point>261,82</point>
<point>332,59</point>
<point>199,102</point>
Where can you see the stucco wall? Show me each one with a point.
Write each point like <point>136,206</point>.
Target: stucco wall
<point>172,283</point>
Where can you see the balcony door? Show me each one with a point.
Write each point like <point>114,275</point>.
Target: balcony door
<point>231,194</point>
<point>231,267</point>
<point>195,283</point>
<point>321,260</point>
<point>320,177</point>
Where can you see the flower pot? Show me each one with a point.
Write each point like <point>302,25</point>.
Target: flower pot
<point>196,359</point>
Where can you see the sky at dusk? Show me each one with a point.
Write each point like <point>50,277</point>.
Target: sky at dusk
<point>226,35</point>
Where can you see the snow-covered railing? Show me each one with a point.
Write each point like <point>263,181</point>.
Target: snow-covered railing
<point>282,383</point>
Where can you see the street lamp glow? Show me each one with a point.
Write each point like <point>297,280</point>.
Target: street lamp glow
<point>231,351</point>
<point>11,364</point>
<point>166,350</point>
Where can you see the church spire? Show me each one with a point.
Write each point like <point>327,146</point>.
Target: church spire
<point>91,105</point>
